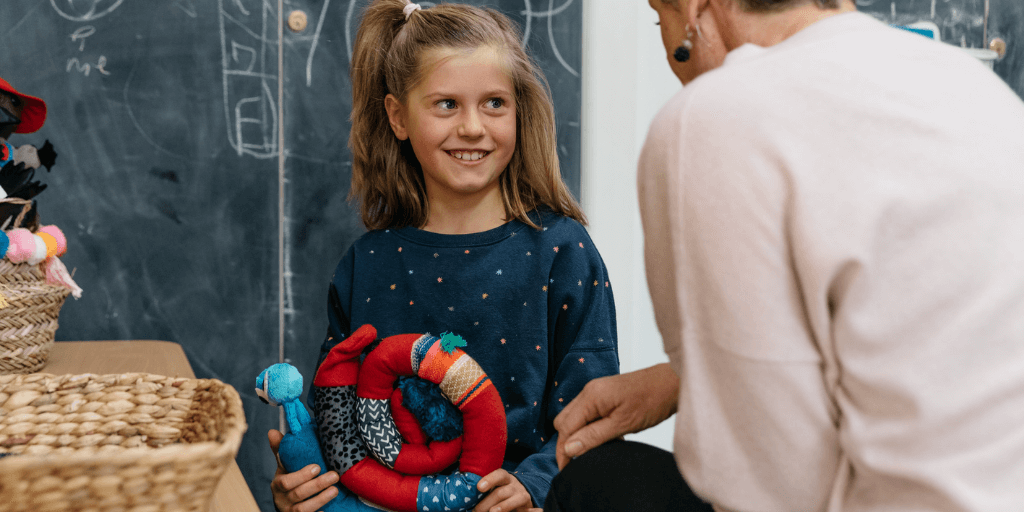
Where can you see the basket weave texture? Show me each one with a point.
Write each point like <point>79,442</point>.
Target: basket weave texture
<point>133,442</point>
<point>29,321</point>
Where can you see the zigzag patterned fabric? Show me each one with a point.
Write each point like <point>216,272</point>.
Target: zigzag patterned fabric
<point>378,430</point>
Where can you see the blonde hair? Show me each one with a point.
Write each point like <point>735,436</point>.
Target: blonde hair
<point>386,177</point>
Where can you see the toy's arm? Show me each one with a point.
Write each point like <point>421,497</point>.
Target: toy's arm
<point>297,416</point>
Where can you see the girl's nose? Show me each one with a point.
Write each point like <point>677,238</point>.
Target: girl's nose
<point>471,126</point>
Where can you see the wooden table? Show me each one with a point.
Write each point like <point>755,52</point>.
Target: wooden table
<point>159,357</point>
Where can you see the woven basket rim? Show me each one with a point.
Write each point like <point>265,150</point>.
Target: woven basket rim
<point>234,416</point>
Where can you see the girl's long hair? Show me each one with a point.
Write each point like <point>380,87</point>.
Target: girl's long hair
<point>386,177</point>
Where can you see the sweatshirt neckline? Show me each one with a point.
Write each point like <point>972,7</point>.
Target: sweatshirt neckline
<point>488,237</point>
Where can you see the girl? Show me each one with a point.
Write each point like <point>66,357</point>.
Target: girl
<point>472,230</point>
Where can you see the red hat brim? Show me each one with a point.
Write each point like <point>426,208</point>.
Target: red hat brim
<point>33,115</point>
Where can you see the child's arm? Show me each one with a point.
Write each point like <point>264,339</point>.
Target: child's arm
<point>583,343</point>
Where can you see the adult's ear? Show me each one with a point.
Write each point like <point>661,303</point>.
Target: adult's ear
<point>396,116</point>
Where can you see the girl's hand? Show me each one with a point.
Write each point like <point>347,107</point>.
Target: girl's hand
<point>299,491</point>
<point>506,494</point>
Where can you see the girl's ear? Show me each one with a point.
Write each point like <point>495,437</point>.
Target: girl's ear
<point>396,116</point>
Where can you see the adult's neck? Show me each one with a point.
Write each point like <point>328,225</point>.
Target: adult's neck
<point>739,27</point>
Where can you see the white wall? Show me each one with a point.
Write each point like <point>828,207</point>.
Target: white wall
<point>625,81</point>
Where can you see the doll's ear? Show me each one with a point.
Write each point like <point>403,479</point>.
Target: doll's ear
<point>396,116</point>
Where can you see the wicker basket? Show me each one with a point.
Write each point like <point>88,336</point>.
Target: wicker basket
<point>132,442</point>
<point>29,321</point>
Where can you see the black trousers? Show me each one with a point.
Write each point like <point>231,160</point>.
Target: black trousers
<point>622,476</point>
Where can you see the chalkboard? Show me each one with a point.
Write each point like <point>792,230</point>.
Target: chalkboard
<point>184,222</point>
<point>964,23</point>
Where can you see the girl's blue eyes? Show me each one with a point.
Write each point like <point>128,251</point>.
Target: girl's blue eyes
<point>450,104</point>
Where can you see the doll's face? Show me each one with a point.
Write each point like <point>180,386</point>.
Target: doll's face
<point>11,107</point>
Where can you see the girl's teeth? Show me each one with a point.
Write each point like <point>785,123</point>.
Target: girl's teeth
<point>467,155</point>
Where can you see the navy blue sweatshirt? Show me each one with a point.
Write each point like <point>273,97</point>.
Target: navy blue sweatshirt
<point>535,307</point>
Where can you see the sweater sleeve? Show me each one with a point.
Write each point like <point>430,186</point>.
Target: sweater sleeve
<point>583,344</point>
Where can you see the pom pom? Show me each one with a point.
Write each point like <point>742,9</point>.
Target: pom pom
<point>450,342</point>
<point>4,243</point>
<point>22,245</point>
<point>438,418</point>
<point>38,251</point>
<point>58,236</point>
<point>51,243</point>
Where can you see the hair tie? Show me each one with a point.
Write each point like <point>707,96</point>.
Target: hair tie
<point>409,8</point>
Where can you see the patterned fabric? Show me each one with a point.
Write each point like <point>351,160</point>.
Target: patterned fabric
<point>335,410</point>
<point>419,350</point>
<point>464,380</point>
<point>377,428</point>
<point>454,493</point>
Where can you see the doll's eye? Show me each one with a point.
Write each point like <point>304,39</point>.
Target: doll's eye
<point>263,395</point>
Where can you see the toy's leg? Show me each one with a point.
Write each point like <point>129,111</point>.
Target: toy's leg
<point>334,405</point>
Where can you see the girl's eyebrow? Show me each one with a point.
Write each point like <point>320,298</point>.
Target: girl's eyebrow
<point>449,94</point>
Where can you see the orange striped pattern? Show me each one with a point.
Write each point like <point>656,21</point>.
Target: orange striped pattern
<point>436,363</point>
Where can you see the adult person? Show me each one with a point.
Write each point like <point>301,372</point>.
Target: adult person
<point>834,230</point>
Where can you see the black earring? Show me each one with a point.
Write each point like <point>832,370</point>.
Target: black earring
<point>682,53</point>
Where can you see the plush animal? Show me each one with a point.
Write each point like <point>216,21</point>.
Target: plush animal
<point>21,113</point>
<point>281,385</point>
<point>379,446</point>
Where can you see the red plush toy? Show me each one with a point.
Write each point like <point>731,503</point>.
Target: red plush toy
<point>377,444</point>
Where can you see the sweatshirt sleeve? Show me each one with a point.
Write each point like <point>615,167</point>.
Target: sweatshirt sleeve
<point>581,314</point>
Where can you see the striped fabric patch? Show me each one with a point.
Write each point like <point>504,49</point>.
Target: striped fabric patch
<point>419,351</point>
<point>463,381</point>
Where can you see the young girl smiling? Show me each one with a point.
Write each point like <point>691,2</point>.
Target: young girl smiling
<point>471,230</point>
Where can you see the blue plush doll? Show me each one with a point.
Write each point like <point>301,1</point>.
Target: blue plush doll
<point>281,384</point>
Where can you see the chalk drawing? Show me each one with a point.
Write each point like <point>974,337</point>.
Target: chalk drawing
<point>549,14</point>
<point>316,40</point>
<point>84,10</point>
<point>81,34</point>
<point>250,107</point>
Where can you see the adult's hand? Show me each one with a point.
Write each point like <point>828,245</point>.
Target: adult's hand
<point>300,491</point>
<point>614,406</point>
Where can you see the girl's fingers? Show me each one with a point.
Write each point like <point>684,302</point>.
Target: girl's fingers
<point>514,502</point>
<point>312,488</point>
<point>317,502</point>
<point>286,482</point>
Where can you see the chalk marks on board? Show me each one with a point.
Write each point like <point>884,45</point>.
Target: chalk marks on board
<point>84,10</point>
<point>549,14</point>
<point>316,40</point>
<point>249,79</point>
<point>85,68</point>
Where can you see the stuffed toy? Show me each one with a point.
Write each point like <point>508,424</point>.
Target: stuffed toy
<point>281,385</point>
<point>416,406</point>
<point>21,113</point>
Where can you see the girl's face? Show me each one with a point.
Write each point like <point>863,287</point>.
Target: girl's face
<point>461,122</point>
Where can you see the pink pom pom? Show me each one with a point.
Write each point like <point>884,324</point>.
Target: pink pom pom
<point>23,244</point>
<point>58,235</point>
